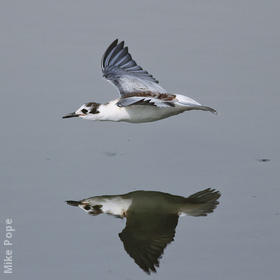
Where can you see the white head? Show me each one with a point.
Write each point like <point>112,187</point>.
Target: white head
<point>114,205</point>
<point>86,111</point>
<point>92,206</point>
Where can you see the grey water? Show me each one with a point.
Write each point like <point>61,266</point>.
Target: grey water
<point>224,54</point>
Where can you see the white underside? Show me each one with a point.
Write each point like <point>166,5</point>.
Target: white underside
<point>117,205</point>
<point>138,113</point>
<point>144,113</point>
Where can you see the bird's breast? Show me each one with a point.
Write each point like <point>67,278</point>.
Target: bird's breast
<point>116,206</point>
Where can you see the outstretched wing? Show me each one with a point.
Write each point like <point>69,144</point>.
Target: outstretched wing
<point>146,236</point>
<point>119,68</point>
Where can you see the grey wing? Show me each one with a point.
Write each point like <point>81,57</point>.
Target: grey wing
<point>119,68</point>
<point>140,100</point>
<point>146,236</point>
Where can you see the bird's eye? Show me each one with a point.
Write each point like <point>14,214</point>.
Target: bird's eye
<point>84,111</point>
<point>87,207</point>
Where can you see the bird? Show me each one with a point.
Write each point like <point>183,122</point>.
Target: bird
<point>141,99</point>
<point>151,219</point>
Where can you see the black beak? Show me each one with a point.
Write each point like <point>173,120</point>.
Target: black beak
<point>73,202</point>
<point>71,115</point>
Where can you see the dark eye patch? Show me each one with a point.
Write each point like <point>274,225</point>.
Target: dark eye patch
<point>96,210</point>
<point>94,111</point>
<point>84,111</point>
<point>87,207</point>
<point>97,207</point>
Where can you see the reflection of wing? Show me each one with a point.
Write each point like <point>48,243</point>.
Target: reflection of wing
<point>119,68</point>
<point>146,235</point>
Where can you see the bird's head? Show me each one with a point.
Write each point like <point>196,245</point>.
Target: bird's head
<point>92,206</point>
<point>86,111</point>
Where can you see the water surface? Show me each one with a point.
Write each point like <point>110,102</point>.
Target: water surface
<point>224,54</point>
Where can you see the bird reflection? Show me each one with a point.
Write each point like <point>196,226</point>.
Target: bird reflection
<point>151,219</point>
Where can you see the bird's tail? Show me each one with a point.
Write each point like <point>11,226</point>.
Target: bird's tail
<point>206,108</point>
<point>201,203</point>
<point>190,104</point>
<point>202,108</point>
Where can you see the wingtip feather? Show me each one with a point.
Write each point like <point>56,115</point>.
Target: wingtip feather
<point>117,63</point>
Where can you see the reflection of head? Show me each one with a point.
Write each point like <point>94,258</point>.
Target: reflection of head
<point>90,209</point>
